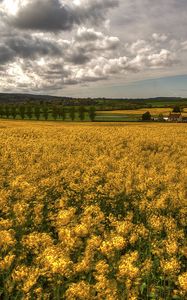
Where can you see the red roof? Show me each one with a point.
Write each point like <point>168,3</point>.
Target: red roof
<point>175,116</point>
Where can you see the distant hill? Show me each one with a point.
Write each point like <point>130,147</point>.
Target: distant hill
<point>20,98</point>
<point>119,103</point>
<point>11,98</point>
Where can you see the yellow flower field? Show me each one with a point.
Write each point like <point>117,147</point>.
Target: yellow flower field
<point>93,211</point>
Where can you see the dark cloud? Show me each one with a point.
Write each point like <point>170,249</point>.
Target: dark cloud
<point>26,47</point>
<point>88,44</point>
<point>6,54</point>
<point>44,15</point>
<point>29,47</point>
<point>52,15</point>
<point>85,45</point>
<point>78,57</point>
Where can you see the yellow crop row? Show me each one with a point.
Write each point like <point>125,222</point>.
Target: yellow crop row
<point>91,211</point>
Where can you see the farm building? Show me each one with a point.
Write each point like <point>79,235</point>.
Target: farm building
<point>184,119</point>
<point>175,117</point>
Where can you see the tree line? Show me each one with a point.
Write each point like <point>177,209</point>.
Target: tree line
<point>45,112</point>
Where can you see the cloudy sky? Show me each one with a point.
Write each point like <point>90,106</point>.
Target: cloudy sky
<point>109,48</point>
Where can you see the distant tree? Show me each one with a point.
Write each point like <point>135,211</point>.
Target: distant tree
<point>177,109</point>
<point>13,111</point>
<point>63,113</point>
<point>81,113</point>
<point>45,112</point>
<point>146,116</point>
<point>37,112</point>
<point>29,112</point>
<point>7,111</point>
<point>1,111</point>
<point>92,113</point>
<point>22,111</point>
<point>161,118</point>
<point>55,112</point>
<point>72,113</point>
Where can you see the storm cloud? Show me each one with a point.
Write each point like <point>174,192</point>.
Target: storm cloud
<point>45,15</point>
<point>56,15</point>
<point>25,47</point>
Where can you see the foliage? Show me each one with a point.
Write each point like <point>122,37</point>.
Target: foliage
<point>63,113</point>
<point>1,110</point>
<point>92,113</point>
<point>22,111</point>
<point>45,112</point>
<point>37,112</point>
<point>92,212</point>
<point>29,111</point>
<point>55,112</point>
<point>82,113</point>
<point>72,113</point>
<point>7,111</point>
<point>160,117</point>
<point>13,111</point>
<point>146,116</point>
<point>177,109</point>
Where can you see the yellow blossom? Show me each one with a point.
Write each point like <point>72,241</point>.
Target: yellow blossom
<point>183,281</point>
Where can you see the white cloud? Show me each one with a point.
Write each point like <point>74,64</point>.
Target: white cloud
<point>162,59</point>
<point>184,45</point>
<point>159,37</point>
<point>140,47</point>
